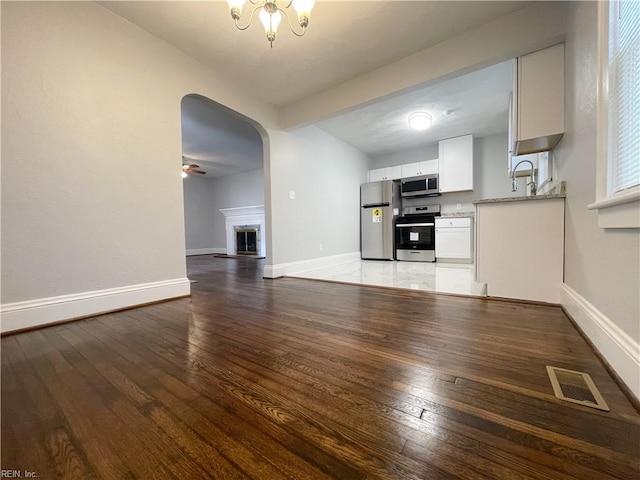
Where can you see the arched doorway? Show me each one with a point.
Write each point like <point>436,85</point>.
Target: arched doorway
<point>224,187</point>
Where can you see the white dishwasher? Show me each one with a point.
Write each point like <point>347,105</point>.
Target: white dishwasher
<point>454,239</point>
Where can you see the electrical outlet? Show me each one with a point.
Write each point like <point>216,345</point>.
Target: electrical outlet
<point>458,206</point>
<point>321,247</point>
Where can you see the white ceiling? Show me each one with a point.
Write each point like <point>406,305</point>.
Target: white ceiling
<point>345,39</point>
<point>476,103</point>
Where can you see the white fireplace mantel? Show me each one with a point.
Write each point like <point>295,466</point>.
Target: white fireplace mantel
<point>240,216</point>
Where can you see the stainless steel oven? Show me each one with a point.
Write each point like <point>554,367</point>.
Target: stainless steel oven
<point>415,234</point>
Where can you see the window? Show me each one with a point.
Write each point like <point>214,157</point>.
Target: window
<point>624,95</point>
<point>618,190</point>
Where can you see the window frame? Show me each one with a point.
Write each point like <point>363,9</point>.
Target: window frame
<point>615,209</point>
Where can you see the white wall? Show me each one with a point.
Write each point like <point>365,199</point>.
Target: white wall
<point>203,199</point>
<point>602,266</point>
<point>325,174</point>
<point>83,181</point>
<point>490,173</point>
<point>91,191</point>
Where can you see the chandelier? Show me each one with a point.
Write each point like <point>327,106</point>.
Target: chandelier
<point>270,14</point>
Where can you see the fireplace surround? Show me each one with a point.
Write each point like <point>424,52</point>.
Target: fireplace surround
<point>240,218</point>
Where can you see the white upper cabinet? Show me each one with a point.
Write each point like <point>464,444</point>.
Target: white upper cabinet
<point>410,170</point>
<point>455,164</point>
<point>537,105</point>
<point>387,173</point>
<point>427,167</point>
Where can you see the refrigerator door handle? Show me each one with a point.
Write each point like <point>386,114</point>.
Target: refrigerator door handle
<point>376,205</point>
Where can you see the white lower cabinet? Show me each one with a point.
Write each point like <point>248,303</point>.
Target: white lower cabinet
<point>454,239</point>
<point>520,248</point>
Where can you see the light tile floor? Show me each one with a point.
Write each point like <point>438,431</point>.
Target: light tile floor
<point>432,277</point>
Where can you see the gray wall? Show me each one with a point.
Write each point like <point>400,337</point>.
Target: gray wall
<point>325,174</point>
<point>198,213</point>
<point>490,173</point>
<point>92,197</point>
<point>90,172</point>
<point>603,266</point>
<point>203,199</point>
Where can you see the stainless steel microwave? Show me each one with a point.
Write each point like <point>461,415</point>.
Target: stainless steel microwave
<point>426,185</point>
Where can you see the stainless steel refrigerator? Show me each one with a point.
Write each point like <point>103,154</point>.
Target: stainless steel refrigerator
<point>379,205</point>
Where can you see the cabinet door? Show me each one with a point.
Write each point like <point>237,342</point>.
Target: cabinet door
<point>540,100</point>
<point>511,139</point>
<point>410,170</point>
<point>455,164</point>
<point>377,174</point>
<point>429,167</point>
<point>513,108</point>
<point>453,242</point>
<point>519,261</point>
<point>394,173</point>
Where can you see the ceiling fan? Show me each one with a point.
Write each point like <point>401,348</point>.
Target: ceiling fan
<point>192,168</point>
<point>189,168</point>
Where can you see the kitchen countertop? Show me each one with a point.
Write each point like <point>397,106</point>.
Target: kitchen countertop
<point>458,214</point>
<point>518,199</point>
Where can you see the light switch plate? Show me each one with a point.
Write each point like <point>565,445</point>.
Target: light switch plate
<point>292,194</point>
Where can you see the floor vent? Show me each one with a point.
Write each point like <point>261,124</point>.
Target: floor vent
<point>576,387</point>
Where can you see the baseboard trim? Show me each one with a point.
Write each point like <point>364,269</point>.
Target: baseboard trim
<point>205,251</point>
<point>284,269</point>
<point>617,348</point>
<point>46,311</point>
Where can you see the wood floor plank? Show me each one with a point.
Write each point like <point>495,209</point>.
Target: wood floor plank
<point>250,463</point>
<point>299,379</point>
<point>274,407</point>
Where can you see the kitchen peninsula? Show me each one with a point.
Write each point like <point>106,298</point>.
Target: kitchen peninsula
<point>520,246</point>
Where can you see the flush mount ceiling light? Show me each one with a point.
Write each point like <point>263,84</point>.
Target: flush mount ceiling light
<point>420,120</point>
<point>270,14</point>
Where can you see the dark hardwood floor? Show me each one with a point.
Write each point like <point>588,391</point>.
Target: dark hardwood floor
<point>291,378</point>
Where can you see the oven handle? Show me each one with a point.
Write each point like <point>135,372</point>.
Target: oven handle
<point>415,224</point>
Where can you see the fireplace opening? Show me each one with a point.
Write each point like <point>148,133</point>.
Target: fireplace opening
<point>247,240</point>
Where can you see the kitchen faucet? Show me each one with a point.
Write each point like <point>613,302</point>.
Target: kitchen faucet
<point>514,180</point>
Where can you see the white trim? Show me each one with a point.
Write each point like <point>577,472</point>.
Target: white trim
<point>621,211</point>
<point>614,210</point>
<point>620,350</point>
<point>602,125</point>
<point>283,269</point>
<point>205,251</point>
<point>251,210</point>
<point>626,215</point>
<point>44,311</point>
<point>617,200</point>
